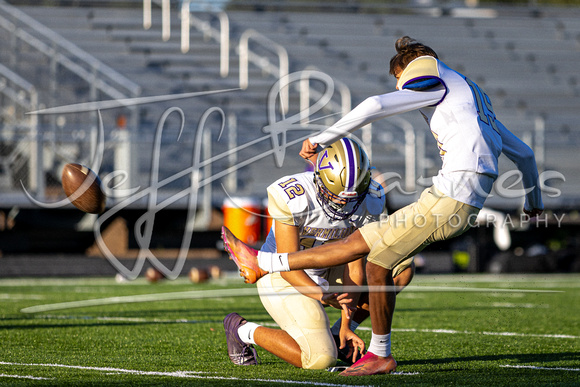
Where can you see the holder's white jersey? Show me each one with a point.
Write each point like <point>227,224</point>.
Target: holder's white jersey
<point>292,200</point>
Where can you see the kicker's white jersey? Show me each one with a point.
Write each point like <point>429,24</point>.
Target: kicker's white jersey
<point>292,200</point>
<point>461,117</point>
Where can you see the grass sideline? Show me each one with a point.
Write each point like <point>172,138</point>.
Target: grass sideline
<point>163,334</point>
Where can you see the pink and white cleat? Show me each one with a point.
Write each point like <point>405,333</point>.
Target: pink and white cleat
<point>245,257</point>
<point>371,364</point>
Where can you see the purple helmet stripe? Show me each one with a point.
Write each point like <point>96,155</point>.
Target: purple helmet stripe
<point>351,167</point>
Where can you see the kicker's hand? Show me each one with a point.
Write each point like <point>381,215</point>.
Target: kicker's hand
<point>308,151</point>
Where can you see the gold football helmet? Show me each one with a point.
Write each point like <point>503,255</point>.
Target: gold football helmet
<point>342,175</point>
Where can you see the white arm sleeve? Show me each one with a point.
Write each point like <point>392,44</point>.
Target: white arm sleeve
<point>523,157</point>
<point>374,108</point>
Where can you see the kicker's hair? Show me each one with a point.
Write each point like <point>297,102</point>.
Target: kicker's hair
<point>408,49</point>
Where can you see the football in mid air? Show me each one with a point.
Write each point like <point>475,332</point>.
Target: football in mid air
<point>83,188</point>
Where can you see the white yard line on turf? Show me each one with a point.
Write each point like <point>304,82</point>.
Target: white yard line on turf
<point>512,305</point>
<point>455,332</point>
<point>176,374</point>
<point>541,368</point>
<point>249,291</point>
<point>23,377</point>
<point>535,280</point>
<point>18,297</point>
<point>452,331</point>
<point>416,330</point>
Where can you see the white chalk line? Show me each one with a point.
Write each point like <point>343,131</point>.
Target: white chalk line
<point>175,374</point>
<point>126,319</point>
<point>512,305</point>
<point>24,377</point>
<point>198,375</point>
<point>19,297</point>
<point>456,332</point>
<point>405,330</point>
<point>535,280</point>
<point>452,331</point>
<point>541,368</point>
<point>252,291</point>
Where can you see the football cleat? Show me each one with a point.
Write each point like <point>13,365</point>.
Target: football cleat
<point>343,353</point>
<point>371,364</point>
<point>245,257</point>
<point>239,352</point>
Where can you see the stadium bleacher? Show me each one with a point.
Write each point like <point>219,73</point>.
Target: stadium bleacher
<point>524,57</point>
<point>527,65</point>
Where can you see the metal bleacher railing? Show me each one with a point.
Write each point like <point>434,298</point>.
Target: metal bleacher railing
<point>413,150</point>
<point>251,39</point>
<point>241,48</point>
<point>19,96</point>
<point>34,150</point>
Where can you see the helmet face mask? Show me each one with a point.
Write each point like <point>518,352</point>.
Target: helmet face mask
<point>335,206</point>
<point>342,176</point>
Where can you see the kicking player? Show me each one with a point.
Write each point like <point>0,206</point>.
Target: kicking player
<point>310,209</point>
<point>470,139</point>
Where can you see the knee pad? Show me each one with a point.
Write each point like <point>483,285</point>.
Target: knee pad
<point>318,361</point>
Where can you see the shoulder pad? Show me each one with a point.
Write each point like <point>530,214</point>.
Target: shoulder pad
<point>421,74</point>
<point>375,199</point>
<point>278,207</point>
<point>420,84</point>
<point>376,190</point>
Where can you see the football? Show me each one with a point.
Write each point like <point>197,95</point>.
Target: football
<point>215,272</point>
<point>90,197</point>
<point>198,275</point>
<point>153,275</point>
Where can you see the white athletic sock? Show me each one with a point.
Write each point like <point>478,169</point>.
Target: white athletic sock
<point>246,332</point>
<point>380,345</point>
<point>273,262</point>
<point>335,330</point>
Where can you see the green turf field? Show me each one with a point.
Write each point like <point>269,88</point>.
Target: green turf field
<point>466,330</point>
